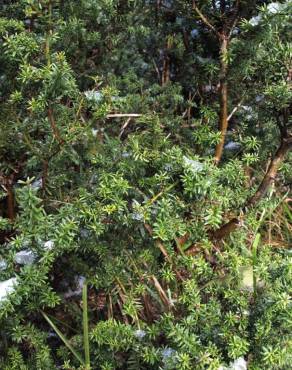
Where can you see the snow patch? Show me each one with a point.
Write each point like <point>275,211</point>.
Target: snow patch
<point>238,364</point>
<point>232,145</point>
<point>195,33</point>
<point>140,334</point>
<point>275,8</point>
<point>25,257</point>
<point>254,21</point>
<point>49,245</point>
<point>37,184</point>
<point>92,95</point>
<point>79,280</point>
<point>7,287</point>
<point>193,165</point>
<point>3,265</point>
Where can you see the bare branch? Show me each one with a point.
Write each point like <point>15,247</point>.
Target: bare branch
<point>120,115</point>
<point>268,179</point>
<point>234,110</point>
<point>124,127</point>
<point>235,19</point>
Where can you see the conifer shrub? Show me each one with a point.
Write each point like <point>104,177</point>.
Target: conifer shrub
<point>134,233</point>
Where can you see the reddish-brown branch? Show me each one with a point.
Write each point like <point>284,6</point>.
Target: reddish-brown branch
<point>159,244</point>
<point>166,64</point>
<point>10,201</point>
<point>223,37</point>
<point>54,127</point>
<point>223,91</point>
<point>162,249</point>
<point>226,229</point>
<point>204,19</point>
<point>271,173</point>
<point>7,183</point>
<point>268,179</point>
<point>161,292</point>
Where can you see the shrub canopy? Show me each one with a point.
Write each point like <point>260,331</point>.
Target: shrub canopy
<point>145,151</point>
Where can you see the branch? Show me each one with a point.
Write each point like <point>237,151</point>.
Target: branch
<point>235,18</point>
<point>159,244</point>
<point>235,109</point>
<point>54,127</point>
<point>204,19</point>
<point>156,69</point>
<point>124,127</point>
<point>119,115</point>
<point>269,178</point>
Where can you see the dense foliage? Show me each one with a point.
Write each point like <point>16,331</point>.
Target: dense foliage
<point>145,151</point>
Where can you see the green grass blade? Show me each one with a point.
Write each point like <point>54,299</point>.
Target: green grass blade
<point>64,340</point>
<point>85,326</point>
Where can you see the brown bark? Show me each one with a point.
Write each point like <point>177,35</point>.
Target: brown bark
<point>271,173</point>
<point>226,229</point>
<point>161,292</point>
<point>166,63</point>
<point>54,127</point>
<point>162,249</point>
<point>223,91</point>
<point>165,71</point>
<point>268,179</point>
<point>10,200</point>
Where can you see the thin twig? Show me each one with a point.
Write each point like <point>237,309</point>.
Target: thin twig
<point>204,19</point>
<point>54,127</point>
<point>234,110</point>
<point>124,127</point>
<point>161,292</point>
<point>119,115</point>
<point>235,19</point>
<point>157,70</point>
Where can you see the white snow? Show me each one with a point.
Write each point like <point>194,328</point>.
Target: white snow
<point>37,184</point>
<point>80,280</point>
<point>136,215</point>
<point>94,131</point>
<point>235,31</point>
<point>207,88</point>
<point>25,257</point>
<point>203,60</point>
<point>93,95</point>
<point>254,21</point>
<point>168,354</point>
<point>193,165</point>
<point>140,334</point>
<point>194,33</point>
<point>259,98</point>
<point>49,245</point>
<point>7,287</point>
<point>238,364</point>
<point>274,8</point>
<point>232,145</point>
<point>3,265</point>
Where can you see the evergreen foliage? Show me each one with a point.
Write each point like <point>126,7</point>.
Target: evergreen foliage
<point>145,161</point>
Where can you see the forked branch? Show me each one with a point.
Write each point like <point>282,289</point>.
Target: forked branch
<point>205,19</point>
<point>268,179</point>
